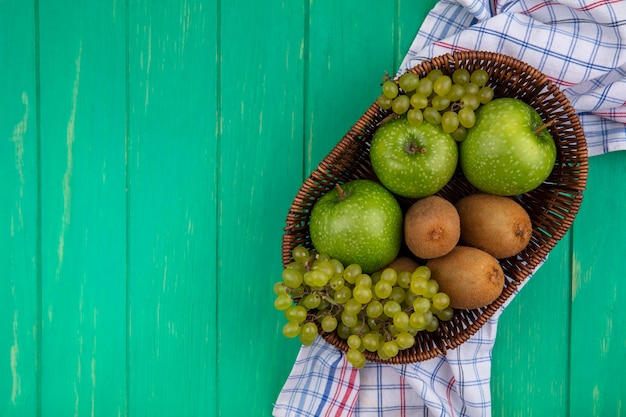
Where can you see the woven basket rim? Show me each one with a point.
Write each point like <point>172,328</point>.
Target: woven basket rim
<point>554,205</point>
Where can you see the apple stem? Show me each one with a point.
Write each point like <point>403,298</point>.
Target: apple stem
<point>413,148</point>
<point>342,194</point>
<point>543,126</point>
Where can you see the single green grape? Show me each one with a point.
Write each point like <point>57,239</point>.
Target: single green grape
<point>351,272</point>
<point>417,321</point>
<point>433,324</point>
<point>356,358</point>
<point>440,103</point>
<point>401,320</point>
<point>279,288</point>
<point>343,294</point>
<point>470,100</point>
<point>312,301</point>
<point>364,280</point>
<point>422,304</point>
<point>445,314</point>
<point>291,329</point>
<point>456,92</point>
<point>354,341</point>
<point>389,275</point>
<point>308,331</point>
<point>415,117</point>
<point>408,81</point>
<point>467,117</point>
<point>374,309</point>
<point>391,307</point>
<point>384,102</point>
<point>390,89</point>
<point>419,101</point>
<point>405,340</point>
<point>296,313</point>
<point>404,279</point>
<point>459,134</point>
<point>471,88</point>
<point>329,323</point>
<point>421,271</point>
<point>391,348</point>
<point>479,77</point>
<point>432,115</point>
<point>461,76</point>
<point>449,121</point>
<point>425,87</point>
<point>283,302</point>
<point>292,277</point>
<point>371,341</point>
<point>300,254</point>
<point>362,294</point>
<point>442,85</point>
<point>419,286</point>
<point>352,306</point>
<point>350,320</point>
<point>400,104</point>
<point>397,294</point>
<point>485,95</point>
<point>440,300</point>
<point>336,282</point>
<point>434,74</point>
<point>316,278</point>
<point>383,289</point>
<point>343,331</point>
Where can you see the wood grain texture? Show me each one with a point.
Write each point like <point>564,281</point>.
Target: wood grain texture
<point>83,220</point>
<point>19,213</point>
<point>598,340</point>
<point>172,209</point>
<point>262,56</point>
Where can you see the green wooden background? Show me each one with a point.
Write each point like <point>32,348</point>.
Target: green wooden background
<point>149,152</point>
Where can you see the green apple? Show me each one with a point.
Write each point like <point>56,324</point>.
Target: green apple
<point>509,151</point>
<point>413,161</point>
<point>358,222</point>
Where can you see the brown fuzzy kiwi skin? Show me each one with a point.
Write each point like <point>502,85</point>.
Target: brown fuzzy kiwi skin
<point>431,227</point>
<point>472,278</point>
<point>496,224</point>
<point>402,264</point>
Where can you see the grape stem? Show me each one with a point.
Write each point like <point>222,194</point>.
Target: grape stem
<point>543,127</point>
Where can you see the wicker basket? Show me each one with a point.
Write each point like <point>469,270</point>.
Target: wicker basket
<point>552,206</point>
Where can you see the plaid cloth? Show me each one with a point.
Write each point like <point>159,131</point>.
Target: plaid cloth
<point>578,44</point>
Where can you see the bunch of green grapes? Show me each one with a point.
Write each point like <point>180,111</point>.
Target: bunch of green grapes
<point>447,100</point>
<point>380,312</point>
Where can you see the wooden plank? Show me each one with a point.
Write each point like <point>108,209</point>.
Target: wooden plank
<point>598,341</point>
<point>83,201</point>
<point>263,52</point>
<point>172,163</point>
<point>19,199</point>
<point>530,362</point>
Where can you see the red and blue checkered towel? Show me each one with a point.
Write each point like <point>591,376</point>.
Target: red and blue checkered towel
<point>579,45</point>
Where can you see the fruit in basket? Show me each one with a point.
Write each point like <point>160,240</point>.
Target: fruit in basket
<point>413,161</point>
<point>358,222</point>
<point>383,326</point>
<point>496,224</point>
<point>431,227</point>
<point>509,150</point>
<point>471,277</point>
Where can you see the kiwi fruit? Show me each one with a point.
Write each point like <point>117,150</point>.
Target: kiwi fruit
<point>403,264</point>
<point>431,227</point>
<point>496,224</point>
<point>471,277</point>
